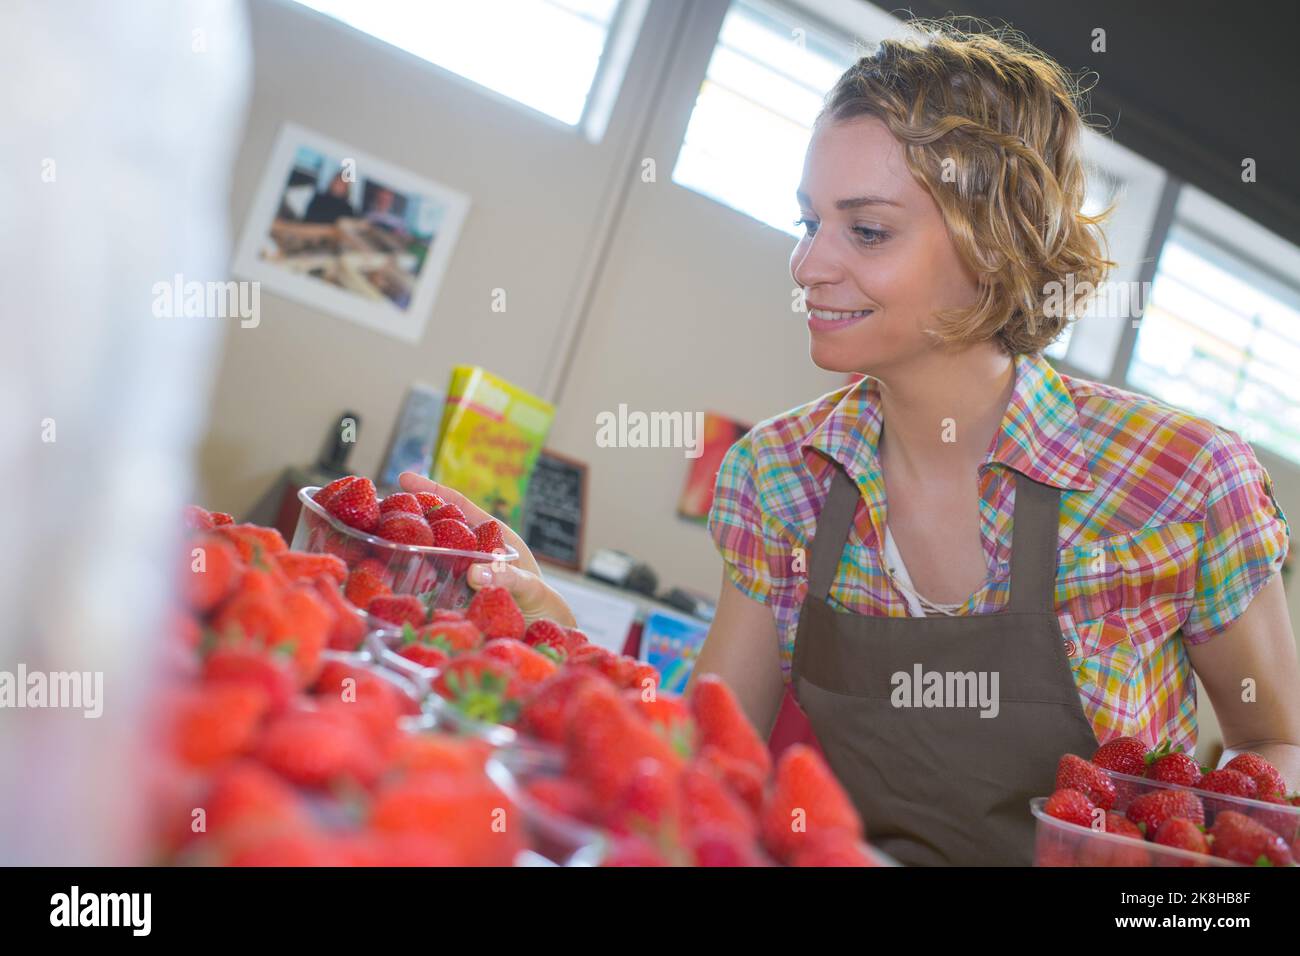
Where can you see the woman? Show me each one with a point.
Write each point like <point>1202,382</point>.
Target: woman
<point>968,564</point>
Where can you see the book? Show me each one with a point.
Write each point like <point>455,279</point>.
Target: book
<point>488,441</point>
<point>411,447</point>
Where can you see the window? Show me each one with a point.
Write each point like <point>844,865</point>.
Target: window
<point>1220,337</point>
<point>543,53</point>
<point>744,145</point>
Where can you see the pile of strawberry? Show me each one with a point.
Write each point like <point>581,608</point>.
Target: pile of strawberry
<point>1187,815</point>
<point>686,782</point>
<point>489,662</point>
<point>275,753</point>
<point>297,757</point>
<point>421,519</point>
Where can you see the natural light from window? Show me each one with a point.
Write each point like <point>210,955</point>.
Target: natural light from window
<point>542,53</point>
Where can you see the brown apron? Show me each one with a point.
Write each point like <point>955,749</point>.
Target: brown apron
<point>942,785</point>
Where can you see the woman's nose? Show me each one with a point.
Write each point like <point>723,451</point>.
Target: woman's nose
<point>814,262</point>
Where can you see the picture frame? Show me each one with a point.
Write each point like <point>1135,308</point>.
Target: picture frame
<point>350,234</point>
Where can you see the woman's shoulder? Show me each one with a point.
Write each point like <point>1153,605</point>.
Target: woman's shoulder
<point>1131,437</point>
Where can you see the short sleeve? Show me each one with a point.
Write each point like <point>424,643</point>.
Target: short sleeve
<point>741,531</point>
<point>1245,539</point>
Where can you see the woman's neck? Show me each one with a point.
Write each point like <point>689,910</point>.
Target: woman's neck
<point>940,414</point>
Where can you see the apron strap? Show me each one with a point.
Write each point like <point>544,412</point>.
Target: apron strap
<point>1034,533</point>
<point>831,533</point>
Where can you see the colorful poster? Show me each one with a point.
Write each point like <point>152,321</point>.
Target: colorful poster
<point>491,435</point>
<point>720,433</point>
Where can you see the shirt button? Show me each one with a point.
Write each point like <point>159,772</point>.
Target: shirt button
<point>1070,648</point>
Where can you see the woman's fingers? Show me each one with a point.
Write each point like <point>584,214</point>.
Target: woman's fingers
<point>534,598</point>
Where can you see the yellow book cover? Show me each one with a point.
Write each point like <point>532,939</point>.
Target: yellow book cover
<point>489,440</point>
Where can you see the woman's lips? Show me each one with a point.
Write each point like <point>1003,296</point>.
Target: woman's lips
<point>826,320</point>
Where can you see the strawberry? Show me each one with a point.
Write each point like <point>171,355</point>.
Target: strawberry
<point>1238,838</point>
<point>1282,822</point>
<point>709,803</point>
<point>221,519</point>
<point>455,635</point>
<point>577,639</point>
<point>1266,776</point>
<point>300,566</point>
<point>832,849</point>
<point>363,586</point>
<point>532,666</point>
<point>490,539</point>
<point>256,544</point>
<point>605,740</point>
<point>1072,806</point>
<point>1232,783</point>
<point>398,609</point>
<point>244,663</point>
<point>1075,773</point>
<point>394,849</point>
<point>1131,852</point>
<point>481,688</point>
<point>723,846</point>
<point>257,616</point>
<point>466,810</point>
<point>592,655</point>
<point>668,714</point>
<point>723,724</point>
<point>315,748</point>
<point>402,527</point>
<point>1179,768</point>
<point>743,779</point>
<point>196,518</point>
<point>311,621</point>
<point>325,495</point>
<point>296,849</point>
<point>214,722</point>
<point>453,534</point>
<point>805,802</point>
<point>546,633</point>
<point>211,574</point>
<point>494,612</point>
<point>544,715</point>
<point>349,627</point>
<point>1182,834</point>
<point>633,851</point>
<point>446,614</point>
<point>245,796</point>
<point>428,501</point>
<point>441,752</point>
<point>426,655</point>
<point>446,513</point>
<point>650,803</point>
<point>355,505</point>
<point>561,795</point>
<point>1122,755</point>
<point>401,501</point>
<point>1152,809</point>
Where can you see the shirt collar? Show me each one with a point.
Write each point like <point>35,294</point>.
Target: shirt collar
<point>1039,435</point>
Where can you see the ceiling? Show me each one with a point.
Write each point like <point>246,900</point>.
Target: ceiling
<point>1192,85</point>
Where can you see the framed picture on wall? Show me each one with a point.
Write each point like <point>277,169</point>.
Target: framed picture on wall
<point>350,234</point>
<point>720,433</point>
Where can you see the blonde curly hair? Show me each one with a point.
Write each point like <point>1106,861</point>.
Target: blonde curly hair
<point>991,128</point>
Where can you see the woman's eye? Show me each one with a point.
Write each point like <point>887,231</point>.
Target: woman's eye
<point>809,225</point>
<point>869,236</point>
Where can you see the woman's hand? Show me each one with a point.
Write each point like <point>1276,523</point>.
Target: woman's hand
<point>522,578</point>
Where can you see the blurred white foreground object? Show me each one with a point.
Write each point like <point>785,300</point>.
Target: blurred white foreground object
<point>121,122</point>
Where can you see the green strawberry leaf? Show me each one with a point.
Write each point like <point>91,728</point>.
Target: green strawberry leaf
<point>409,635</point>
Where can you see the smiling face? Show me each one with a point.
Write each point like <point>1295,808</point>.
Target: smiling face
<point>876,262</point>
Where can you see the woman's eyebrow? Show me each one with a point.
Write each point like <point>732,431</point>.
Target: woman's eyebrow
<point>853,203</point>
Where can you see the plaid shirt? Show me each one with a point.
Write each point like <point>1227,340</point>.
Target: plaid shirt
<point>1168,529</point>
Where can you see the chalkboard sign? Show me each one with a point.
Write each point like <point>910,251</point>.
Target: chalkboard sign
<point>555,510</point>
